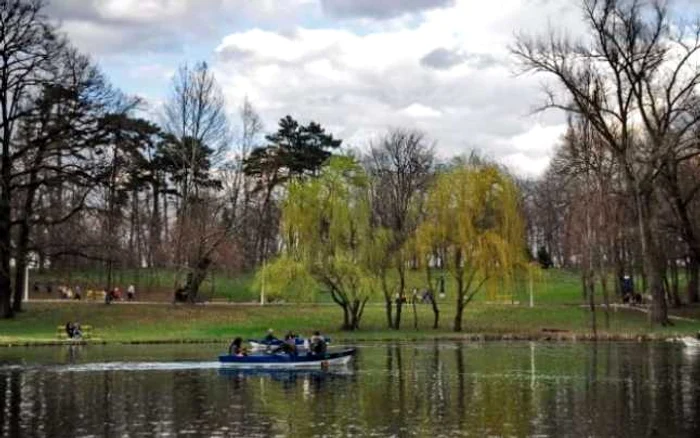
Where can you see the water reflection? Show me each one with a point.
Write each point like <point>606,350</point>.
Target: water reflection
<point>427,389</point>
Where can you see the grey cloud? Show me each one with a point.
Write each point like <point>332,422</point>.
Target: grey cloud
<point>94,27</point>
<point>91,29</point>
<point>73,10</point>
<point>441,59</point>
<point>379,9</point>
<point>444,59</point>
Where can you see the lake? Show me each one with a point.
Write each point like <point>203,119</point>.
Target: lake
<point>407,389</point>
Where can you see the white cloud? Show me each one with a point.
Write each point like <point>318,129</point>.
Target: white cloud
<point>539,139</point>
<point>359,67</point>
<point>419,111</point>
<point>525,165</point>
<point>465,97</point>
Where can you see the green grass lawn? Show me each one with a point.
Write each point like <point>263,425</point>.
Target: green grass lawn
<point>555,286</point>
<point>557,297</point>
<point>164,322</point>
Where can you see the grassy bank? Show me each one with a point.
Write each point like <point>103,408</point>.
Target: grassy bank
<point>185,323</point>
<point>554,286</point>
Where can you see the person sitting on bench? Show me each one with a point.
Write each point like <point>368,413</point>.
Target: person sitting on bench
<point>73,330</point>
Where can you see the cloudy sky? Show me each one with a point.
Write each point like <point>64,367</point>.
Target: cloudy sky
<point>356,66</point>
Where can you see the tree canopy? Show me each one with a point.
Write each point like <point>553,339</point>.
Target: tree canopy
<point>473,217</point>
<point>327,234</point>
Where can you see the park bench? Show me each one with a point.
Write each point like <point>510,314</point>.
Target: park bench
<point>95,295</point>
<point>86,329</point>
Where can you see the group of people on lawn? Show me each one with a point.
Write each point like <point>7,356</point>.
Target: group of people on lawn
<point>317,344</point>
<point>76,292</point>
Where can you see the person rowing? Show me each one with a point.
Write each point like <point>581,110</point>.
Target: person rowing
<point>270,337</point>
<point>236,348</point>
<point>318,343</point>
<point>289,345</point>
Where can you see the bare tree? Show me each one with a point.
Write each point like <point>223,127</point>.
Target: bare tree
<point>633,80</point>
<point>60,144</point>
<point>400,165</point>
<point>240,189</point>
<point>27,42</point>
<point>195,117</point>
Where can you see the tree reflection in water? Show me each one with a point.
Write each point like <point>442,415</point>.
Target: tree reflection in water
<point>422,389</point>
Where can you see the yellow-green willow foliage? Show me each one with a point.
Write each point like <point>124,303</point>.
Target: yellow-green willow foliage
<point>473,217</point>
<point>328,239</point>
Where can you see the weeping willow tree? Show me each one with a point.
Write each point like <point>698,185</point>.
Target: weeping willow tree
<point>329,243</point>
<point>472,215</point>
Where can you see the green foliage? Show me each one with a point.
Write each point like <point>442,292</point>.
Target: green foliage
<point>294,150</point>
<point>473,218</point>
<point>286,279</point>
<point>326,226</point>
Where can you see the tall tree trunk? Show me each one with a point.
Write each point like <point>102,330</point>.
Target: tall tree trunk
<point>20,265</point>
<point>196,277</point>
<point>131,246</point>
<point>458,317</point>
<point>606,297</point>
<point>347,325</point>
<point>155,231</point>
<point>591,302</point>
<point>5,218</point>
<point>460,305</point>
<point>415,313</point>
<point>397,315</point>
<point>693,275</point>
<point>387,302</point>
<point>357,308</point>
<point>433,293</point>
<point>436,311</point>
<point>619,268</point>
<point>653,266</point>
<point>653,263</point>
<point>674,284</point>
<point>387,307</point>
<point>402,295</point>
<point>165,216</point>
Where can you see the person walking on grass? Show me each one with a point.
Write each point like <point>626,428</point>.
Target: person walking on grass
<point>131,293</point>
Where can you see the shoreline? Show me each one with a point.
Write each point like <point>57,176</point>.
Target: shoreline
<point>543,337</point>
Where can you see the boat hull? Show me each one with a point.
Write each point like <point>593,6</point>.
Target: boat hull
<point>690,342</point>
<point>272,361</point>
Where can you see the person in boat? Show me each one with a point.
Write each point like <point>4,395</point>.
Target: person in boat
<point>289,345</point>
<point>270,336</point>
<point>318,343</point>
<point>236,348</point>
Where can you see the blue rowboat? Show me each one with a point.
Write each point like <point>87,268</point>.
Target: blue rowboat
<point>288,374</point>
<point>283,360</point>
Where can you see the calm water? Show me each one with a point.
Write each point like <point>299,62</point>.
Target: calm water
<point>425,389</point>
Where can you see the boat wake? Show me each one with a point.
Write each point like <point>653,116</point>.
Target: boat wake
<point>115,366</point>
<point>136,366</point>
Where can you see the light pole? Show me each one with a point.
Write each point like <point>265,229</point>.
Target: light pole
<point>26,283</point>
